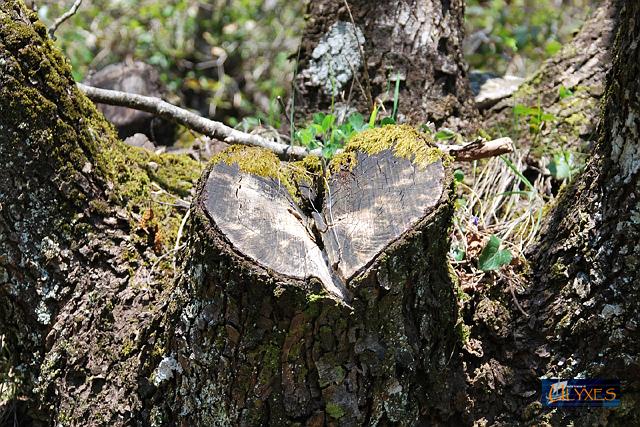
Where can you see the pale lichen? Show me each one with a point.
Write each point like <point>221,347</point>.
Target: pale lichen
<point>336,57</point>
<point>165,370</point>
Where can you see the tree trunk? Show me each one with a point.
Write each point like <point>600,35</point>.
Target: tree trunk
<point>303,294</point>
<point>416,43</point>
<point>350,321</point>
<point>83,219</point>
<point>587,266</point>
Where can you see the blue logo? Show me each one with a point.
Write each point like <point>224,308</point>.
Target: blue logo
<point>558,393</point>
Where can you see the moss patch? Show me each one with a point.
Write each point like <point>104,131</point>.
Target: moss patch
<point>264,163</point>
<point>405,141</point>
<point>334,410</point>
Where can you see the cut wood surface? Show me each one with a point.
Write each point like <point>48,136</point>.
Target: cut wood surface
<point>262,222</point>
<point>365,208</point>
<point>372,205</point>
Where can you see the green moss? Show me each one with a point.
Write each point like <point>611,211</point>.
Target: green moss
<point>127,347</point>
<point>405,141</point>
<point>73,136</point>
<point>270,363</point>
<point>577,119</point>
<point>334,410</point>
<point>100,207</point>
<point>264,163</point>
<point>463,331</point>
<point>559,269</point>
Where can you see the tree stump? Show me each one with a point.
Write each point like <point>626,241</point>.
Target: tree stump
<point>321,294</point>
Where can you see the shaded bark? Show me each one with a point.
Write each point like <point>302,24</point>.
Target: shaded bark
<point>588,258</point>
<point>417,43</point>
<point>582,300</point>
<point>79,230</point>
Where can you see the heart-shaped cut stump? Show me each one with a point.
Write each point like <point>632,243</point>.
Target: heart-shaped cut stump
<point>370,199</point>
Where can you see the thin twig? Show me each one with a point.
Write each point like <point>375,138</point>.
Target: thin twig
<point>222,132</point>
<point>193,121</point>
<point>68,14</point>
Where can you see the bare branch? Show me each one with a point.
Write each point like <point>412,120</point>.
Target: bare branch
<point>193,121</point>
<point>217,130</point>
<point>68,14</point>
<point>479,150</point>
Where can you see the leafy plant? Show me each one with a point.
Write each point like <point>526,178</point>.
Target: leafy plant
<point>535,117</point>
<point>563,92</point>
<point>562,166</point>
<point>324,133</point>
<point>499,30</point>
<point>492,257</point>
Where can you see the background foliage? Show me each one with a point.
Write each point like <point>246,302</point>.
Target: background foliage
<point>230,59</point>
<point>225,58</point>
<point>515,36</point>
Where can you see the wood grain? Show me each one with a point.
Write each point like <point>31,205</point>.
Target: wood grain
<point>261,221</point>
<point>370,207</point>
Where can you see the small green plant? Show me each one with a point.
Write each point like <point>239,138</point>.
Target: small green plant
<point>492,257</point>
<point>563,92</point>
<point>323,132</point>
<point>536,117</point>
<point>563,165</point>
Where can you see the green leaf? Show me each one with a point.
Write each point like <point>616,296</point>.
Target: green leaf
<point>519,174</point>
<point>563,92</point>
<point>373,117</point>
<point>318,118</point>
<point>445,135</point>
<point>560,166</point>
<point>458,254</point>
<point>387,121</point>
<point>512,43</point>
<point>491,257</point>
<point>553,47</point>
<point>357,122</point>
<point>327,123</point>
<point>523,110</point>
<point>396,99</point>
<point>458,175</point>
<point>329,150</point>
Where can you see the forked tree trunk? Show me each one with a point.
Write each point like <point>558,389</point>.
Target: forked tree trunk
<point>303,295</point>
<point>417,42</point>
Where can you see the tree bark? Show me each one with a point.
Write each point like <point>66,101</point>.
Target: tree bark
<point>418,43</point>
<point>360,328</point>
<point>587,275</point>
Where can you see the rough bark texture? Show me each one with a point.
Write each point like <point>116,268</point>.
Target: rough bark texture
<point>256,348</point>
<point>587,266</point>
<point>416,42</point>
<point>78,299</point>
<point>583,297</point>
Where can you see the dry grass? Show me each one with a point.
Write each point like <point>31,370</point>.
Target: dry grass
<point>496,199</point>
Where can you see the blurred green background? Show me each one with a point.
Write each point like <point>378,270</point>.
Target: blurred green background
<point>231,59</point>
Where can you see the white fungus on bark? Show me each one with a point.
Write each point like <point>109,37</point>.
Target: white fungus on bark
<point>165,370</point>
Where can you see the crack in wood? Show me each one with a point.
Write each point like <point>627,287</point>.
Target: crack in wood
<point>357,216</point>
